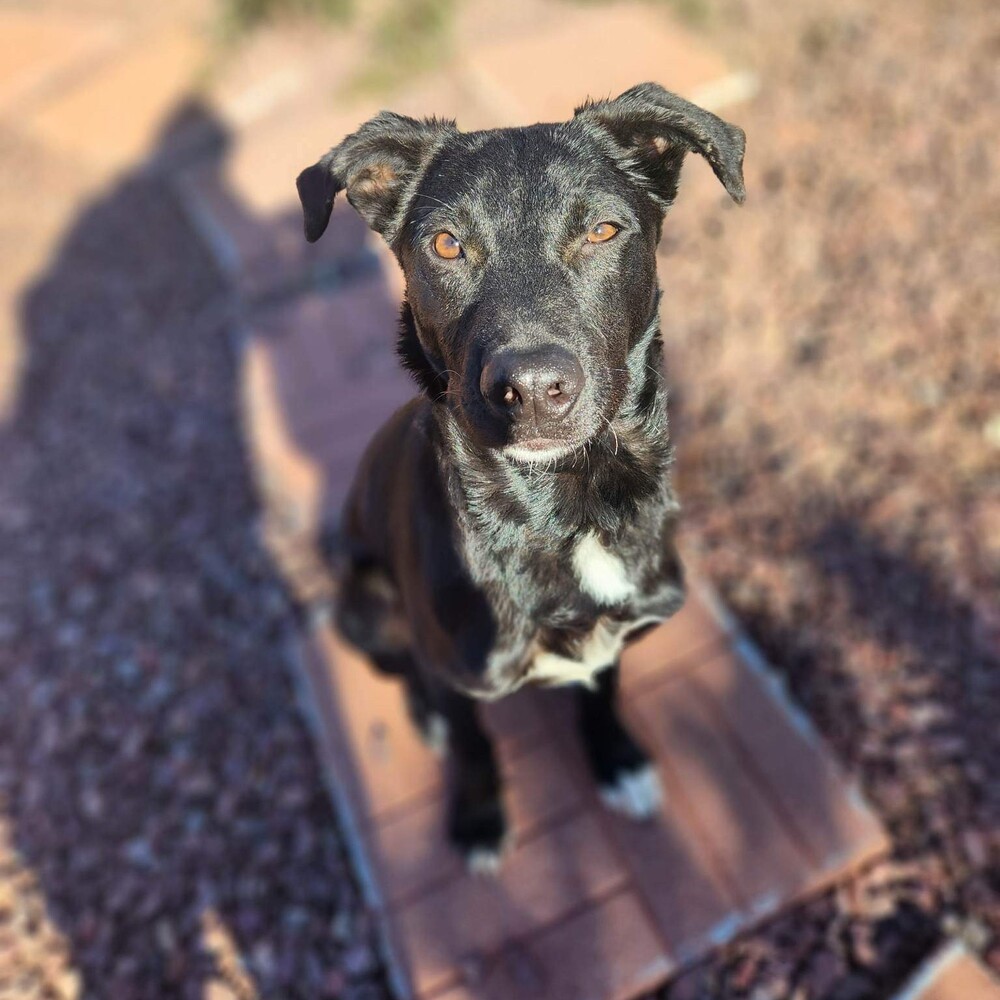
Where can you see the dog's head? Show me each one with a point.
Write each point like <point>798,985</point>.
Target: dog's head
<point>529,253</point>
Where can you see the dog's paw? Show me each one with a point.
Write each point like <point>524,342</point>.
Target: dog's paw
<point>636,793</point>
<point>480,834</point>
<point>484,861</point>
<point>433,730</point>
<point>431,725</point>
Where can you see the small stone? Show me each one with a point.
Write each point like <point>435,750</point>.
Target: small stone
<point>295,918</point>
<point>854,987</point>
<point>862,942</point>
<point>92,803</point>
<point>977,935</point>
<point>69,984</point>
<point>262,960</point>
<point>976,848</point>
<point>359,961</point>
<point>824,970</point>
<point>340,926</point>
<point>140,853</point>
<point>991,430</point>
<point>217,989</point>
<point>334,984</point>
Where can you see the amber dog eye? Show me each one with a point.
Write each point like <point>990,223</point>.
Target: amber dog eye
<point>602,232</point>
<point>446,246</point>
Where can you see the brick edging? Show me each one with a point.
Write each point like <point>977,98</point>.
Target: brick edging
<point>307,698</point>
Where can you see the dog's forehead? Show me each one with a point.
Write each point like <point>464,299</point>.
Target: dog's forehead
<point>518,166</point>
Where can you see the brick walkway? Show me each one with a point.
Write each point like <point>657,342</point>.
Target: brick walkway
<point>587,905</point>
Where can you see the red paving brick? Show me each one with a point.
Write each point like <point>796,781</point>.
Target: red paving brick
<point>609,951</point>
<point>679,880</point>
<point>707,777</point>
<point>327,363</point>
<point>111,114</point>
<point>727,850</point>
<point>694,633</point>
<point>469,919</point>
<point>39,48</point>
<point>411,845</point>
<point>952,974</point>
<point>787,762</point>
<point>394,767</point>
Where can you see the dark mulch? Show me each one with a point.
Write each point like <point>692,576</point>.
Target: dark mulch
<point>834,350</point>
<point>164,827</point>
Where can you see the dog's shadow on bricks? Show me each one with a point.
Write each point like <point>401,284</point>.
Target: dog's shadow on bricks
<point>156,781</point>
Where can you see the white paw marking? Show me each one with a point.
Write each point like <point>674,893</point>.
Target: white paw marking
<point>636,794</point>
<point>601,573</point>
<point>483,861</point>
<point>434,734</point>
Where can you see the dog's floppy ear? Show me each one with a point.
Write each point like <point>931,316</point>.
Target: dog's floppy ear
<point>375,165</point>
<point>655,128</point>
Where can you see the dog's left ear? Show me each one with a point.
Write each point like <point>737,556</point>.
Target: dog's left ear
<point>374,165</point>
<point>655,129</point>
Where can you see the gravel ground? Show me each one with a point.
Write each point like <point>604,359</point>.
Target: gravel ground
<point>834,350</point>
<point>163,828</point>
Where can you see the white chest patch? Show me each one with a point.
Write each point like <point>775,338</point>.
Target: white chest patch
<point>599,650</point>
<point>601,573</point>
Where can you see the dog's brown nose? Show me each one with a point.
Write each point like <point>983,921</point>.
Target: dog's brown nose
<point>544,383</point>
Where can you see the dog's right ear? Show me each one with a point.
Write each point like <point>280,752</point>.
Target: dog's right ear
<point>655,129</point>
<point>375,166</point>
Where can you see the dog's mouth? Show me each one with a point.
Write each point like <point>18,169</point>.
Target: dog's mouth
<point>540,449</point>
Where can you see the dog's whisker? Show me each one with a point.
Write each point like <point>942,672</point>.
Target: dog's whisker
<point>430,197</point>
<point>613,431</point>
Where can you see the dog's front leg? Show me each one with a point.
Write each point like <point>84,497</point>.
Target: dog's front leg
<point>477,825</point>
<point>625,775</point>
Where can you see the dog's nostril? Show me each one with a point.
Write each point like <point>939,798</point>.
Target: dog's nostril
<point>542,384</point>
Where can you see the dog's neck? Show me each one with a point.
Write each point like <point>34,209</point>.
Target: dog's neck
<point>604,486</point>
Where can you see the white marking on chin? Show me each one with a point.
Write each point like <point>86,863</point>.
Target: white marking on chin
<point>532,456</point>
<point>601,573</point>
<point>636,794</point>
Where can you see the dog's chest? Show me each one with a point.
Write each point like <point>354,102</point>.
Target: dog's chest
<point>589,654</point>
<point>576,655</point>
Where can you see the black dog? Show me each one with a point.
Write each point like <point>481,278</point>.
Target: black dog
<point>515,524</point>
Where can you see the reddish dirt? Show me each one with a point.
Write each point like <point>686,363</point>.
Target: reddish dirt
<point>833,347</point>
